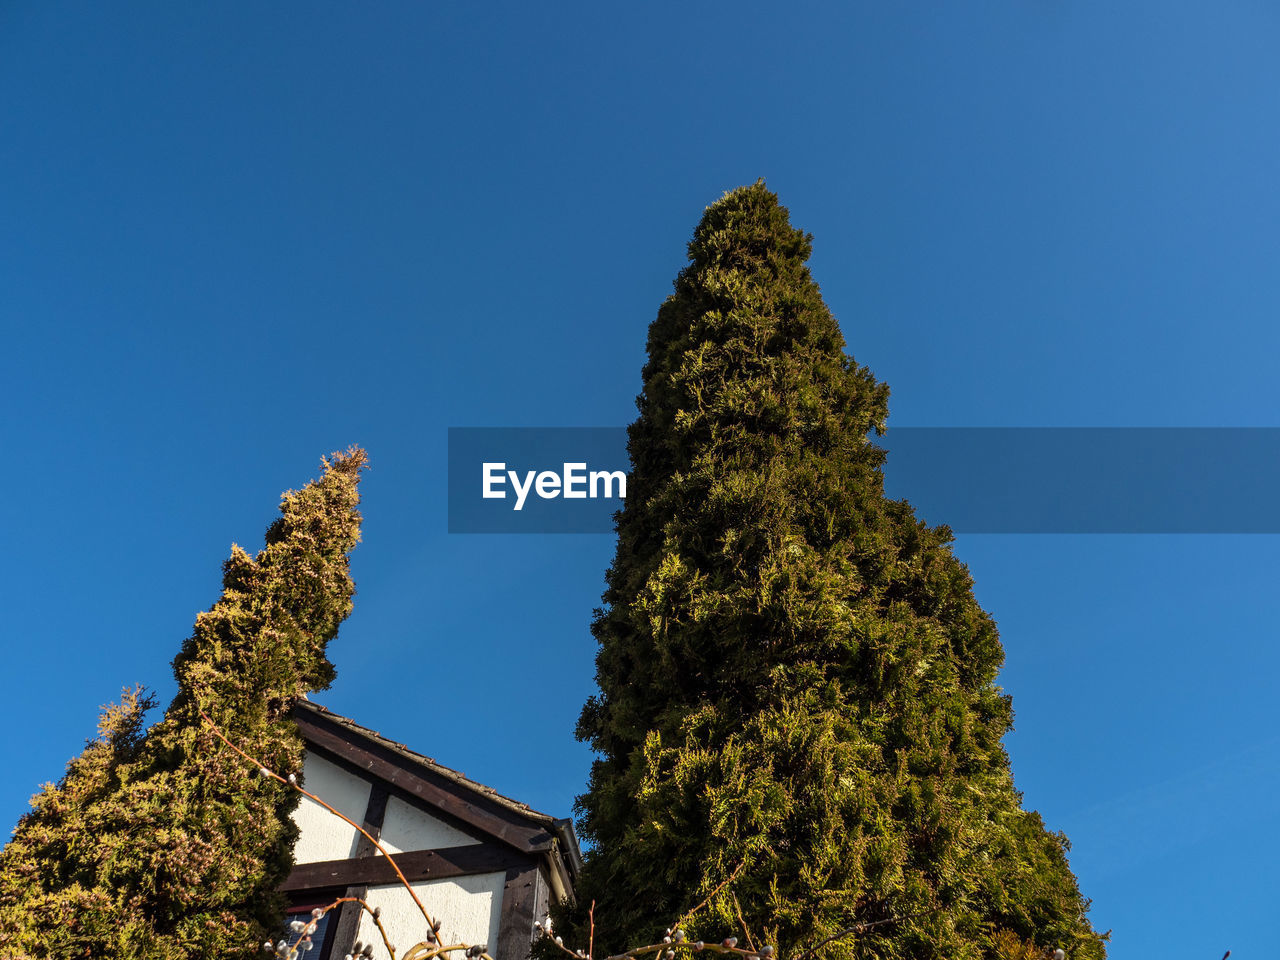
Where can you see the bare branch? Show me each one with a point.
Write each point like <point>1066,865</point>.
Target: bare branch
<point>292,781</point>
<point>746,932</point>
<point>864,927</point>
<point>723,883</point>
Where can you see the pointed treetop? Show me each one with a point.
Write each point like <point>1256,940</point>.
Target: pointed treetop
<point>747,224</point>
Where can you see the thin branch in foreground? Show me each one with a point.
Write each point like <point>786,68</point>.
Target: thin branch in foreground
<point>421,951</point>
<point>292,781</point>
<point>746,931</point>
<point>723,883</point>
<point>864,927</point>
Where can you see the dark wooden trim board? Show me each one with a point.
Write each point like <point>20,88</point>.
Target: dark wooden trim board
<point>348,925</point>
<point>374,814</point>
<point>416,865</point>
<point>348,919</point>
<point>521,896</point>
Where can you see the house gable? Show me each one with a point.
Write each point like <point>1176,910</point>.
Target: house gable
<point>484,865</point>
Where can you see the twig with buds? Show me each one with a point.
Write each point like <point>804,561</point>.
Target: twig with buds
<point>673,941</point>
<point>286,951</point>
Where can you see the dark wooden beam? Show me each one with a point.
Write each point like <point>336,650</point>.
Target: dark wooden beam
<point>416,865</point>
<point>374,814</point>
<point>347,925</point>
<point>379,761</point>
<point>523,896</point>
<point>347,922</point>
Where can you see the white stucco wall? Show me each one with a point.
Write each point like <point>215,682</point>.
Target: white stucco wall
<point>322,835</point>
<point>405,827</point>
<point>469,908</point>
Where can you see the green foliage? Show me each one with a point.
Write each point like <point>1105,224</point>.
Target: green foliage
<point>793,670</point>
<point>165,845</point>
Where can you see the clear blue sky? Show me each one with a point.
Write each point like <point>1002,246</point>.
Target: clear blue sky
<point>237,236</point>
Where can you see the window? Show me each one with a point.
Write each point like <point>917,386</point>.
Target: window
<point>321,936</point>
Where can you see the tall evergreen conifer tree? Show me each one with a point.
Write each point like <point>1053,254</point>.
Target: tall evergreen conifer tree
<point>165,845</point>
<point>795,679</point>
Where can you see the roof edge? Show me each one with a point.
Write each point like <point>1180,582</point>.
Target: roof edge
<point>557,827</point>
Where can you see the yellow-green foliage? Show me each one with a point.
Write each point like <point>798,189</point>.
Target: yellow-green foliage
<point>793,670</point>
<point>166,845</point>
